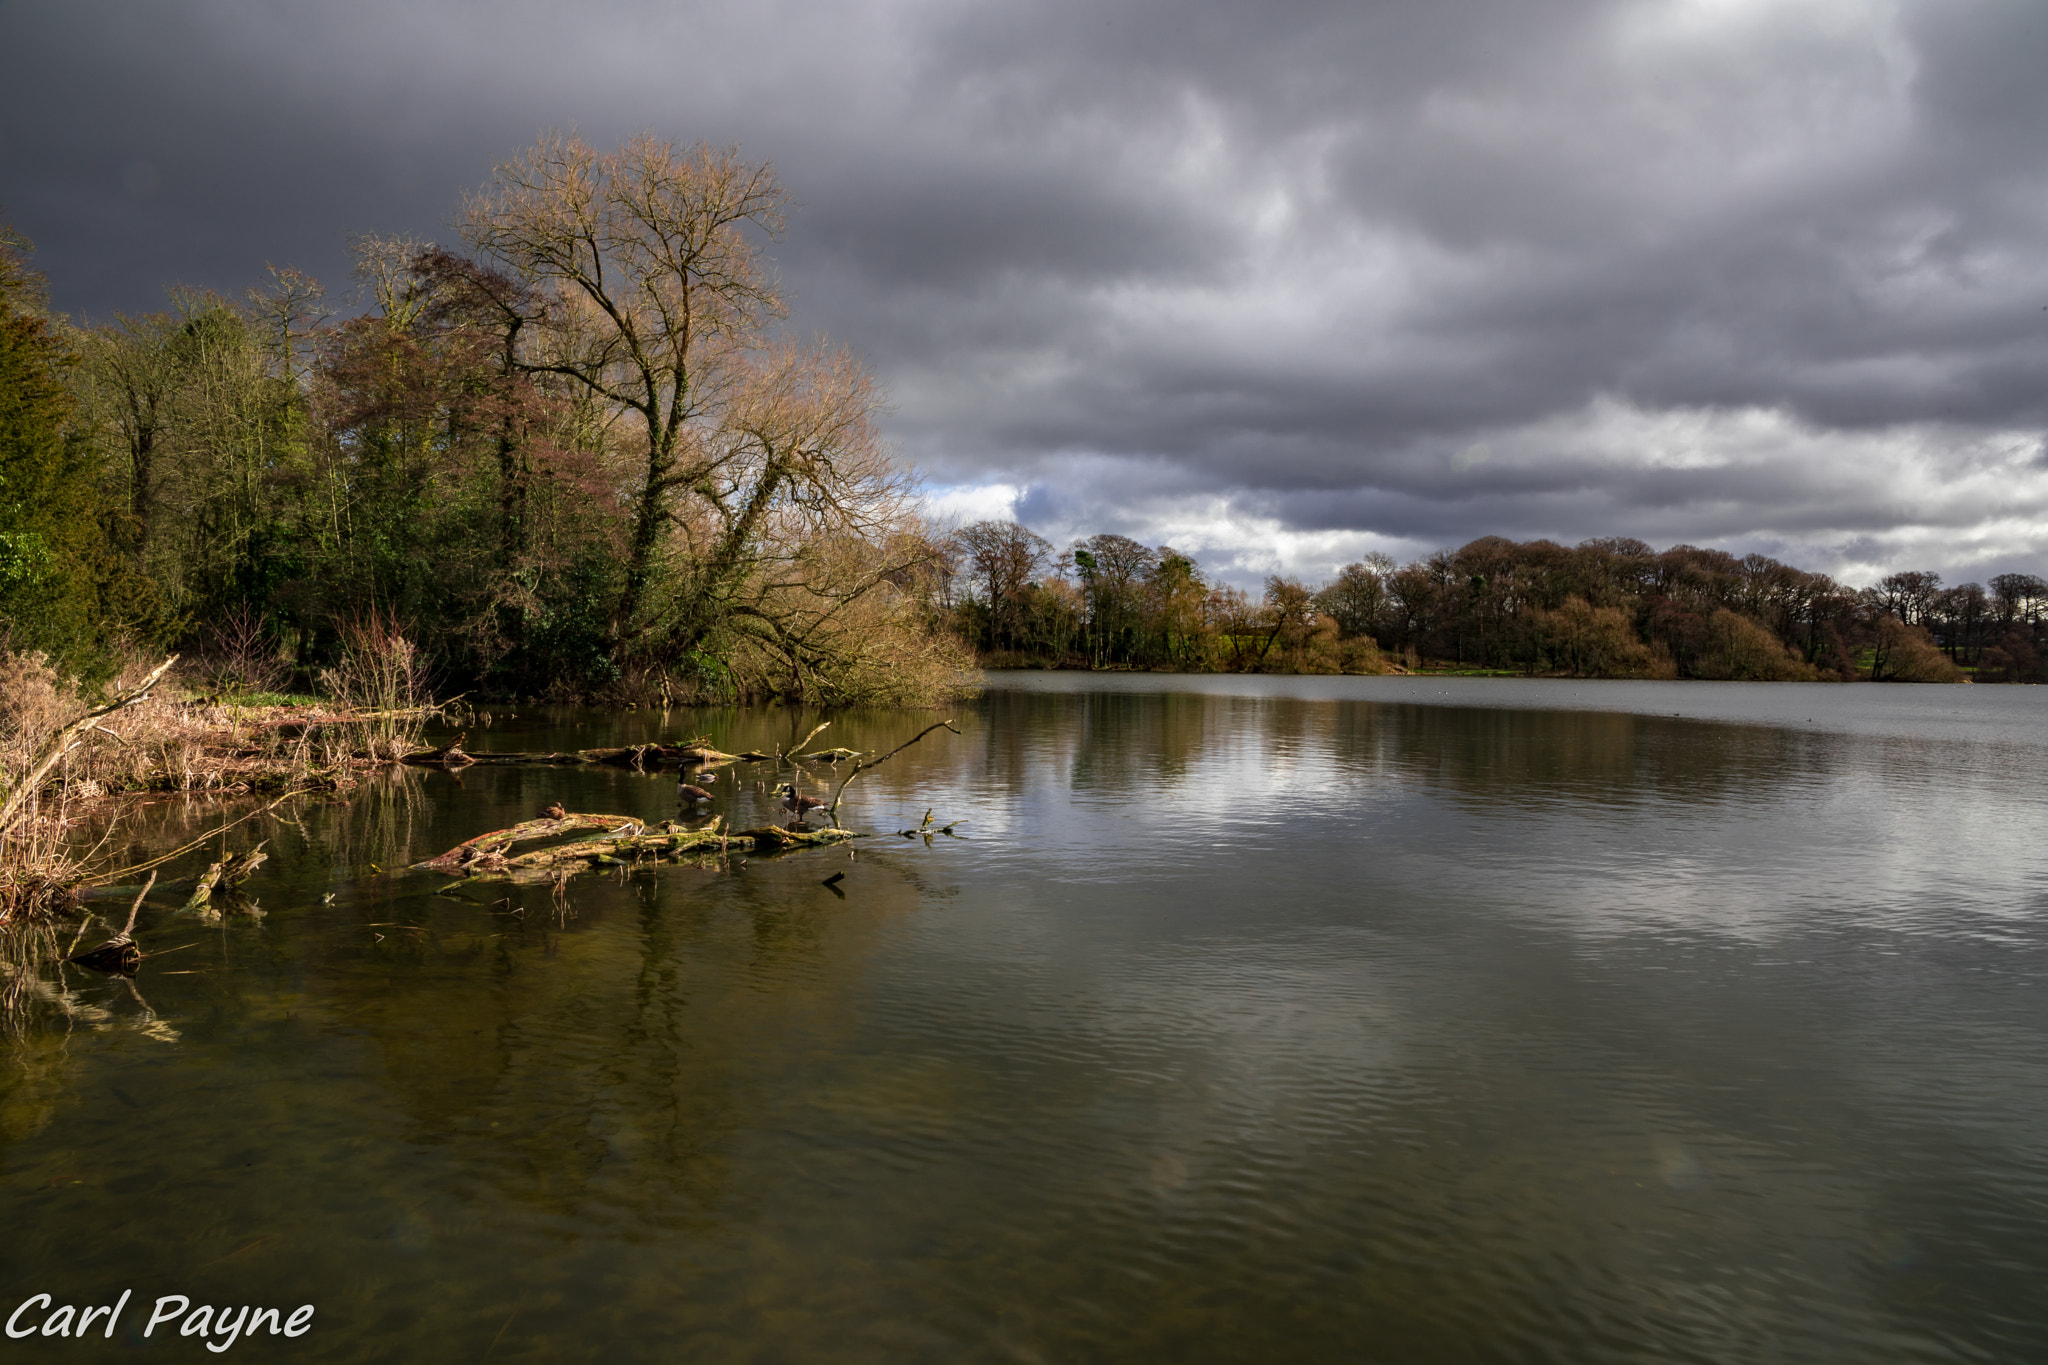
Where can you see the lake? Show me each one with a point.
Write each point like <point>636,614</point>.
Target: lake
<point>1240,1019</point>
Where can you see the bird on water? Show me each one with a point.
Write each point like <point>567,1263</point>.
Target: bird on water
<point>686,792</point>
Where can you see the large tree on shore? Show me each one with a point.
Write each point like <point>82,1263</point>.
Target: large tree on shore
<point>1006,558</point>
<point>758,463</point>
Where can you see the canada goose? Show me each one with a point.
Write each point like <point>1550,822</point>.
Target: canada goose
<point>555,812</point>
<point>796,802</point>
<point>686,792</point>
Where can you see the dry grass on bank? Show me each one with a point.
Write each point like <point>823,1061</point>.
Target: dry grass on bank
<point>163,742</point>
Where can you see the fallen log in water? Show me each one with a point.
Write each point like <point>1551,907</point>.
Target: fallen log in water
<point>557,759</point>
<point>495,843</point>
<point>447,756</point>
<point>663,846</point>
<point>627,840</point>
<point>629,756</point>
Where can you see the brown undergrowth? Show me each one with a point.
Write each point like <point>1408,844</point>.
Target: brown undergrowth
<point>163,741</point>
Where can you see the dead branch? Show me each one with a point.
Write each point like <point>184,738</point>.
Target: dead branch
<point>631,843</point>
<point>862,765</point>
<point>161,859</point>
<point>118,953</point>
<point>493,846</point>
<point>791,752</point>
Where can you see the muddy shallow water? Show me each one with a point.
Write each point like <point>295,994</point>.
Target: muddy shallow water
<point>1252,1019</point>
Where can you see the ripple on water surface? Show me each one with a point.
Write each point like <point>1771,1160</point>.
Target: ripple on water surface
<point>1249,1019</point>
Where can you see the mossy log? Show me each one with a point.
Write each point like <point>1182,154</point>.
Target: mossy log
<point>495,844</point>
<point>661,847</point>
<point>230,872</point>
<point>629,756</point>
<point>200,902</point>
<point>628,841</point>
<point>225,875</point>
<point>447,756</point>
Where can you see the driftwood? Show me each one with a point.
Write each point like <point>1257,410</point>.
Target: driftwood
<point>226,875</point>
<point>925,830</point>
<point>119,953</point>
<point>862,765</point>
<point>627,756</point>
<point>447,756</point>
<point>698,752</point>
<point>627,841</point>
<point>485,847</point>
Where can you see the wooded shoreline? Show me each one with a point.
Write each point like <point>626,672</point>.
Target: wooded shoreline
<point>1607,608</point>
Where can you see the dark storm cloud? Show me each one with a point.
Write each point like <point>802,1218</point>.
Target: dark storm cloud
<point>1281,283</point>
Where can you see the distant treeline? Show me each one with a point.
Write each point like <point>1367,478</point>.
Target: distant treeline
<point>571,456</point>
<point>1607,608</point>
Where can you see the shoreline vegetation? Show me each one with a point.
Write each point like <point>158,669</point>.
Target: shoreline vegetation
<point>575,458</point>
<point>1607,608</point>
<point>67,756</point>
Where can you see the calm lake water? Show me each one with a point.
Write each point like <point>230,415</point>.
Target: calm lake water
<point>1248,1020</point>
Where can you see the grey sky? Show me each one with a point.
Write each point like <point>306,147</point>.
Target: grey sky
<point>1275,283</point>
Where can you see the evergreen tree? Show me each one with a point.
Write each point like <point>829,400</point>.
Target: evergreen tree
<point>50,538</point>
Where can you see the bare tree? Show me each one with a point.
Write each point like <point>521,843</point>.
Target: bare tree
<point>2019,597</point>
<point>288,316</point>
<point>1113,572</point>
<point>758,464</point>
<point>659,294</point>
<point>1005,559</point>
<point>1909,596</point>
<point>1360,598</point>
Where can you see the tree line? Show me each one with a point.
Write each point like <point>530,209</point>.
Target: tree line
<point>574,455</point>
<point>1607,608</point>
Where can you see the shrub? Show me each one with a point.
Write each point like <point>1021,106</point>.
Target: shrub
<point>1733,647</point>
<point>1905,654</point>
<point>1594,642</point>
